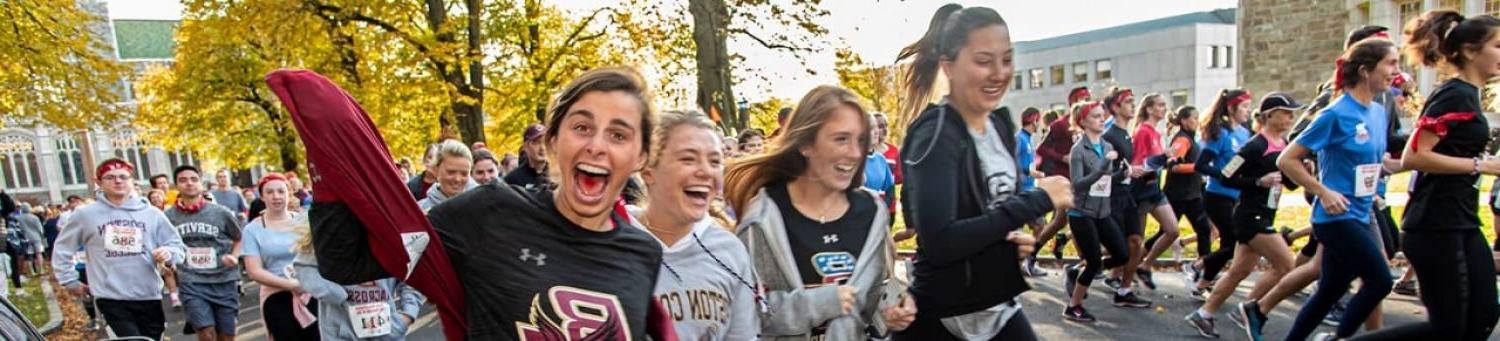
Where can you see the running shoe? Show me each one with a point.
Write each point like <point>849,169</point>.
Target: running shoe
<point>1113,283</point>
<point>1033,270</point>
<point>1325,336</point>
<point>176,301</point>
<point>1237,317</point>
<point>1144,275</point>
<point>1334,315</point>
<point>1254,320</point>
<point>1407,287</point>
<point>1204,325</point>
<point>1131,300</point>
<point>1077,314</point>
<point>1200,294</point>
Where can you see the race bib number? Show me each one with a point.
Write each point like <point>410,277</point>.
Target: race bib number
<point>1100,188</point>
<point>1274,199</point>
<point>370,319</point>
<point>1365,179</point>
<point>1233,165</point>
<point>122,239</point>
<point>202,258</point>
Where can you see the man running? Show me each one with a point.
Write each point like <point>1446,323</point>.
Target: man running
<point>124,239</point>
<point>208,281</point>
<point>225,195</point>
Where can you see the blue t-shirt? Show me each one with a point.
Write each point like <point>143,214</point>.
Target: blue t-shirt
<point>1024,156</point>
<point>1229,142</point>
<point>1349,139</point>
<point>878,178</point>
<point>273,247</point>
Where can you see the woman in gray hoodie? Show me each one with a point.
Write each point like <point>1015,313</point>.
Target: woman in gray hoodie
<point>1094,162</point>
<point>818,242</point>
<point>377,310</point>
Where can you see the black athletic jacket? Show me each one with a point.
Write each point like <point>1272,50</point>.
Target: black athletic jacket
<point>963,262</point>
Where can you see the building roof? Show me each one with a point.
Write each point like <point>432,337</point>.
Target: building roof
<point>1218,16</point>
<point>145,39</point>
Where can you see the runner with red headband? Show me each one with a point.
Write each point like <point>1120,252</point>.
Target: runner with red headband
<point>1223,130</point>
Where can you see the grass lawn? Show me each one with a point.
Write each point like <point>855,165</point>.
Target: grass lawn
<point>33,303</point>
<point>1291,217</point>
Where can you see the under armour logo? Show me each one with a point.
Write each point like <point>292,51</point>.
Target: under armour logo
<point>540,258</point>
<point>830,238</point>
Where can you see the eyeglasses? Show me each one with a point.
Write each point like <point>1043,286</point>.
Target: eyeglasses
<point>115,177</point>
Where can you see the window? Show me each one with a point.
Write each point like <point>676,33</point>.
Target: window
<point>70,160</point>
<point>1456,5</point>
<point>1037,75</point>
<point>1081,71</point>
<point>1059,75</point>
<point>1104,69</point>
<point>175,159</point>
<point>1492,7</point>
<point>1213,56</point>
<point>18,165</point>
<point>1228,57</point>
<point>129,149</point>
<point>1179,98</point>
<point>1017,82</point>
<point>1409,9</point>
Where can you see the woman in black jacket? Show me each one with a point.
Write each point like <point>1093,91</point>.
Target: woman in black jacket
<point>968,226</point>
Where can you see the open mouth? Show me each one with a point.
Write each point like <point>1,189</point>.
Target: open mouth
<point>591,180</point>
<point>844,169</point>
<point>992,91</point>
<point>697,194</point>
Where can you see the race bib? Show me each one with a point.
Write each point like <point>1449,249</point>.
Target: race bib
<point>1233,165</point>
<point>370,319</point>
<point>1100,188</point>
<point>121,239</point>
<point>202,258</point>
<point>1274,198</point>
<point>1365,179</point>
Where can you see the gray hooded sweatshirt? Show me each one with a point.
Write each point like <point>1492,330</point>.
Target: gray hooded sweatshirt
<point>119,240</point>
<point>796,311</point>
<point>435,195</point>
<point>705,284</point>
<point>335,301</point>
<point>1086,169</point>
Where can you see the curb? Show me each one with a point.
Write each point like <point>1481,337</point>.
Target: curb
<point>54,313</point>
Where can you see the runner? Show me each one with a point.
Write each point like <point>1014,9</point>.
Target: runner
<point>1026,159</point>
<point>752,142</point>
<point>485,169</point>
<point>962,180</point>
<point>451,166</point>
<point>209,279</point>
<point>707,282</point>
<point>533,171</point>
<point>1053,153</point>
<point>1260,186</point>
<point>1349,137</point>
<point>226,195</point>
<point>1223,132</point>
<point>125,239</point>
<point>1150,157</point>
<point>1184,186</point>
<point>285,308</point>
<point>814,236</point>
<point>1443,240</point>
<point>1093,167</point>
<point>879,177</point>
<point>376,310</point>
<point>1119,104</point>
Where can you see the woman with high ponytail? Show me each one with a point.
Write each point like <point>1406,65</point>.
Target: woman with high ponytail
<point>1443,240</point>
<point>967,277</point>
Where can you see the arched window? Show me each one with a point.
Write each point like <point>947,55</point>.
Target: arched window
<point>129,149</point>
<point>70,158</point>
<point>18,165</point>
<point>175,159</point>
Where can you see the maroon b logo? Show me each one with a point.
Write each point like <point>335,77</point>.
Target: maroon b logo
<point>575,314</point>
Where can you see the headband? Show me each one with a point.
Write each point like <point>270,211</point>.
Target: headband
<point>1449,30</point>
<point>1083,111</point>
<point>1381,34</point>
<point>1242,98</point>
<point>1120,97</point>
<point>260,185</point>
<point>1077,94</point>
<point>112,164</point>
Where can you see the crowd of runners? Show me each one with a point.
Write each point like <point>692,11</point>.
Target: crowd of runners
<point>617,220</point>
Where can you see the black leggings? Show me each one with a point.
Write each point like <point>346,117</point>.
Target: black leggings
<point>1089,234</point>
<point>1221,213</point>
<point>1457,277</point>
<point>281,323</point>
<point>1389,237</point>
<point>931,328</point>
<point>1193,210</point>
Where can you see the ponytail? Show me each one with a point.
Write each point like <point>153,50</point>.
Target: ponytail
<point>1174,123</point>
<point>1440,37</point>
<point>1218,115</point>
<point>946,33</point>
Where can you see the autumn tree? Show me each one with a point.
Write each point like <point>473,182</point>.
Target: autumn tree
<point>56,66</point>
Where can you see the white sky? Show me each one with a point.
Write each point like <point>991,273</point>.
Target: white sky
<point>876,29</point>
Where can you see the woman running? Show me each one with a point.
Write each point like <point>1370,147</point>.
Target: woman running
<point>815,236</point>
<point>1260,186</point>
<point>707,282</point>
<point>1224,132</point>
<point>961,192</point>
<point>1093,165</point>
<point>267,247</point>
<point>1184,186</point>
<point>1349,138</point>
<point>1150,157</point>
<point>1443,240</point>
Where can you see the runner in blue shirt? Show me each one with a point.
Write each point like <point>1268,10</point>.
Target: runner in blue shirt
<point>1223,132</point>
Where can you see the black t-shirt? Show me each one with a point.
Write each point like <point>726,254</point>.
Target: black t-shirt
<point>1450,201</point>
<point>1120,140</point>
<point>1259,159</point>
<point>526,177</point>
<point>526,270</point>
<point>825,253</point>
<point>1184,186</point>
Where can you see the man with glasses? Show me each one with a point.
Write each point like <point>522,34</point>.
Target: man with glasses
<point>124,237</point>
